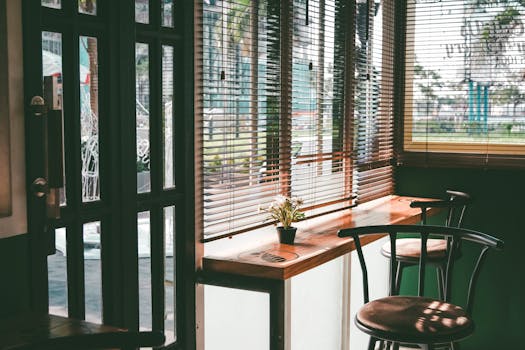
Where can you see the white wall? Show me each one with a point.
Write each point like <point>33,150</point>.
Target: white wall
<point>238,320</point>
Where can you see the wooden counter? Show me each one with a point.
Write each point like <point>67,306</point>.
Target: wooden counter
<point>316,241</point>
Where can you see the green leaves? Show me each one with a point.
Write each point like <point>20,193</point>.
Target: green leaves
<point>284,210</point>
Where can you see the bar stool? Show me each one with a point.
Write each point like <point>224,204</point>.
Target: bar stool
<point>418,320</point>
<point>408,249</point>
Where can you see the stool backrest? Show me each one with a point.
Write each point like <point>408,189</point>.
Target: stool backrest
<point>456,205</point>
<point>455,234</point>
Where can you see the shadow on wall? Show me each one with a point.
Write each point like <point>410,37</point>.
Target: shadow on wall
<point>498,209</point>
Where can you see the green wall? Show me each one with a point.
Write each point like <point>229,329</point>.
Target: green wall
<point>498,209</point>
<point>14,272</point>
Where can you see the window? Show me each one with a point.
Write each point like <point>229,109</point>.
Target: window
<point>464,92</point>
<point>373,98</point>
<point>275,93</point>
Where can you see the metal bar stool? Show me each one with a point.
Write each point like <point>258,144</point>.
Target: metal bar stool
<point>408,249</point>
<point>426,322</point>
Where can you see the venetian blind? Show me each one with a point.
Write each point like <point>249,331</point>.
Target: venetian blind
<point>320,163</point>
<point>271,109</point>
<point>239,92</point>
<point>464,91</point>
<point>373,98</point>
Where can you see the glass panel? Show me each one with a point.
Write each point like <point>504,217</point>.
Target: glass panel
<point>142,11</point>
<point>167,13</point>
<point>236,319</point>
<point>317,174</point>
<point>466,65</point>
<point>54,4</point>
<point>57,275</point>
<point>88,70</point>
<point>144,250</point>
<point>52,66</point>
<point>87,6</point>
<point>92,272</point>
<point>167,114</point>
<point>142,115</point>
<point>169,274</point>
<point>318,326</point>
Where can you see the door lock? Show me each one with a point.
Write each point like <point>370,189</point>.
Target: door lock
<point>38,106</point>
<point>40,187</point>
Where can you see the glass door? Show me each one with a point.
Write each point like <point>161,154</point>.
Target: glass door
<point>107,251</point>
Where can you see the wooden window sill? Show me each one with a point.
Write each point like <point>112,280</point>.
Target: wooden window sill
<point>316,242</point>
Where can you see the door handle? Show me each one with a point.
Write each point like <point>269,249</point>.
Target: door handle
<point>50,108</point>
<point>54,146</point>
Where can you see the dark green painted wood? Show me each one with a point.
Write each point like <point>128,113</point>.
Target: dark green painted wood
<point>498,209</point>
<point>15,292</point>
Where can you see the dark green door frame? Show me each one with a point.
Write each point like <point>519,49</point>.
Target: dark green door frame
<point>116,32</point>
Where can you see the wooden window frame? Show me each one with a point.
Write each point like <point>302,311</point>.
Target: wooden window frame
<point>437,154</point>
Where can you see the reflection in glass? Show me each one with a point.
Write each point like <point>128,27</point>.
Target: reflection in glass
<point>52,66</point>
<point>169,274</point>
<point>57,275</point>
<point>167,13</point>
<point>88,7</point>
<point>144,251</point>
<point>142,97</point>
<point>88,70</point>
<point>142,11</point>
<point>167,112</point>
<point>92,272</point>
<point>54,4</point>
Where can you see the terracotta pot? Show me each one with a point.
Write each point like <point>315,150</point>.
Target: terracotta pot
<point>286,235</point>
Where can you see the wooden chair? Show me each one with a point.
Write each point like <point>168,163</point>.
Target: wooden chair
<point>408,249</point>
<point>108,340</point>
<point>419,320</point>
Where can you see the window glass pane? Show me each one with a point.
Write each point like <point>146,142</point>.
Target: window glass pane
<point>92,272</point>
<point>317,105</point>
<point>240,98</point>
<point>167,13</point>
<point>144,249</point>
<point>465,64</point>
<point>167,112</point>
<point>57,275</point>
<point>52,66</point>
<point>142,11</point>
<point>373,96</point>
<point>89,123</point>
<point>142,114</point>
<point>87,6</point>
<point>55,4</point>
<point>169,275</point>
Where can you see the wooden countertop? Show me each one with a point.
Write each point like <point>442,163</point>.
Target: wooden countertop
<point>316,241</point>
<point>28,329</point>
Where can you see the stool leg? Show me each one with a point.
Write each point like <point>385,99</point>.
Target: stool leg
<point>382,345</point>
<point>427,346</point>
<point>441,284</point>
<point>372,343</point>
<point>396,346</point>
<point>455,346</point>
<point>399,275</point>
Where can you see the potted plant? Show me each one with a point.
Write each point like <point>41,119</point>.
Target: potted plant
<point>284,211</point>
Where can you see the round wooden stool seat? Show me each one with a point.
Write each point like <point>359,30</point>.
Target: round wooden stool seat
<point>410,249</point>
<point>414,320</point>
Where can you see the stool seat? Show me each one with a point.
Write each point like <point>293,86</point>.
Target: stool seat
<point>409,249</point>
<point>414,320</point>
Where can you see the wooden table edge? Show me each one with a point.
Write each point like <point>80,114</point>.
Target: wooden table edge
<point>233,266</point>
